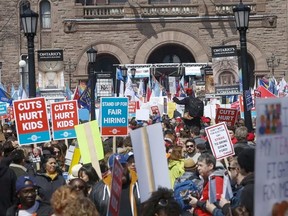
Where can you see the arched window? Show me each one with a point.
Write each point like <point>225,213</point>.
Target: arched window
<point>45,13</point>
<point>23,6</point>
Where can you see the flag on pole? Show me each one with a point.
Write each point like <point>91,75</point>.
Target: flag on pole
<point>85,98</point>
<point>5,97</point>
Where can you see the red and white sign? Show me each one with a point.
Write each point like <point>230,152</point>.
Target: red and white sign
<point>31,120</point>
<point>64,116</point>
<point>226,115</point>
<point>220,141</point>
<point>132,107</point>
<point>116,188</point>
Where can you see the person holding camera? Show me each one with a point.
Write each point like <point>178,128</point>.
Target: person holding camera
<point>213,184</point>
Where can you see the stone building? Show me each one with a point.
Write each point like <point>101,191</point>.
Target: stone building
<point>138,32</point>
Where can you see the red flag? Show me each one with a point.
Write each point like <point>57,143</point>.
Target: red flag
<point>77,96</point>
<point>148,93</point>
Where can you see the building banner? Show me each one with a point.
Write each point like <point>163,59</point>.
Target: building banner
<point>225,70</point>
<point>64,116</point>
<point>31,120</point>
<point>271,164</point>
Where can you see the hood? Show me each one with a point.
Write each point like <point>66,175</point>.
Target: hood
<point>249,179</point>
<point>173,163</point>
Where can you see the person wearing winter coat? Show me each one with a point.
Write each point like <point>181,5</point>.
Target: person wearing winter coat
<point>175,164</point>
<point>49,180</point>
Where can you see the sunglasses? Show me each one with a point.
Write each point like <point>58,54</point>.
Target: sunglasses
<point>189,146</point>
<point>232,168</point>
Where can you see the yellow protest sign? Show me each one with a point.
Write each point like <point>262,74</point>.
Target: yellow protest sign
<point>90,144</point>
<point>171,108</point>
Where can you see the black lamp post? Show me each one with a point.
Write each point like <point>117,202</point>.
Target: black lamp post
<point>29,20</point>
<point>241,13</point>
<point>92,54</point>
<point>124,75</point>
<point>133,72</point>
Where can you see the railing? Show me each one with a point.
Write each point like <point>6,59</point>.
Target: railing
<point>120,11</point>
<point>228,9</point>
<point>106,11</point>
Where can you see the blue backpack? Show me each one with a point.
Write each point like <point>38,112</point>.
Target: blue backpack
<point>182,191</point>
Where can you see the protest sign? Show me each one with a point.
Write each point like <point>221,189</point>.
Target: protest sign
<point>64,116</point>
<point>132,109</point>
<point>116,188</point>
<point>3,108</point>
<point>249,100</point>
<point>114,116</point>
<point>229,116</point>
<point>90,144</point>
<point>220,141</point>
<point>150,159</point>
<point>31,121</point>
<point>142,114</point>
<point>271,170</point>
<point>155,109</point>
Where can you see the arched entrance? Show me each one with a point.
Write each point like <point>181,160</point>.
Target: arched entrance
<point>171,53</point>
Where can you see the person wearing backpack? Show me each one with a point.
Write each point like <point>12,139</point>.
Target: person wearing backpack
<point>194,109</point>
<point>187,184</point>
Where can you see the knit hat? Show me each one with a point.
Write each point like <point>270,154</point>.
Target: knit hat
<point>246,159</point>
<point>74,171</point>
<point>189,163</point>
<point>25,182</point>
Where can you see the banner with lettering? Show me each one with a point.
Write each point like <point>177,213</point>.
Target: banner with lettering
<point>271,164</point>
<point>225,70</point>
<point>64,116</point>
<point>31,121</point>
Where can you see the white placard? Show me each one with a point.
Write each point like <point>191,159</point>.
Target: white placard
<point>142,114</point>
<point>271,162</point>
<point>220,141</point>
<point>150,159</point>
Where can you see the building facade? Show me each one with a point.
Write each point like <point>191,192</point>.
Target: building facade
<point>138,32</point>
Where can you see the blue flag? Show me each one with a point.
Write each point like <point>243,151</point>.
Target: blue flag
<point>5,97</point>
<point>119,74</point>
<point>85,97</point>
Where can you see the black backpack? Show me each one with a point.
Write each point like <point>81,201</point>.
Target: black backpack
<point>196,107</point>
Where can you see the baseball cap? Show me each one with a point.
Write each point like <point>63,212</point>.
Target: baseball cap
<point>120,157</point>
<point>128,155</point>
<point>25,182</point>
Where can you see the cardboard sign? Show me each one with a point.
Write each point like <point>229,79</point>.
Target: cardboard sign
<point>114,116</point>
<point>220,141</point>
<point>31,121</point>
<point>142,114</point>
<point>271,170</point>
<point>226,115</point>
<point>64,116</point>
<point>150,159</point>
<point>116,188</point>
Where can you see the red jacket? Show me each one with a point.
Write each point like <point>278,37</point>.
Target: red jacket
<point>205,195</point>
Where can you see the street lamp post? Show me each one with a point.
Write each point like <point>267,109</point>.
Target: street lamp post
<point>133,72</point>
<point>29,20</point>
<point>92,54</point>
<point>241,13</point>
<point>22,65</point>
<point>124,75</point>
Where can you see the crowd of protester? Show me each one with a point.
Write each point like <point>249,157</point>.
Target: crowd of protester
<point>33,180</point>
